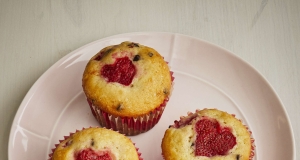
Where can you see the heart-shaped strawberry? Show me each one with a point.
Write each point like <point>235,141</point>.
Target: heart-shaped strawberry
<point>89,154</point>
<point>122,71</point>
<point>212,139</point>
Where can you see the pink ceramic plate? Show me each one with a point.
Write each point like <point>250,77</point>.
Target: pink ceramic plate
<point>206,76</point>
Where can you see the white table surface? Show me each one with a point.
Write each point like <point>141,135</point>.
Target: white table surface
<point>36,33</point>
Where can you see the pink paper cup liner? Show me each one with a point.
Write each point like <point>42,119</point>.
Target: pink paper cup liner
<point>128,125</point>
<point>66,137</point>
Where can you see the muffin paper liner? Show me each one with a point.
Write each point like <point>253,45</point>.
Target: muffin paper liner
<point>130,126</point>
<point>66,137</point>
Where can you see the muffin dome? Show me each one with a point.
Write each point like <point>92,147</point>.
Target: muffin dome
<point>208,134</point>
<point>127,80</point>
<point>99,143</point>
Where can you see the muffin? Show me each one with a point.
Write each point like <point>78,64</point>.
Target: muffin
<point>208,134</point>
<point>95,143</point>
<point>127,87</point>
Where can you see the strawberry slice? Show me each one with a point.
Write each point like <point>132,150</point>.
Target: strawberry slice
<point>122,71</point>
<point>89,154</point>
<point>212,139</point>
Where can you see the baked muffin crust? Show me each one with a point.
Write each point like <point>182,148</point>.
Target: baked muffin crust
<point>150,86</point>
<point>118,146</point>
<point>179,140</point>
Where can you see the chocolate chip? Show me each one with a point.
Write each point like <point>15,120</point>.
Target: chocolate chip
<point>109,50</point>
<point>166,91</point>
<point>119,108</point>
<point>131,45</point>
<point>92,143</point>
<point>136,57</point>
<point>238,157</point>
<point>192,144</point>
<point>150,54</point>
<point>69,142</point>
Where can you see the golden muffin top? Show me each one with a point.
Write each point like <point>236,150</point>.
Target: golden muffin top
<point>127,80</point>
<point>96,142</point>
<point>208,134</point>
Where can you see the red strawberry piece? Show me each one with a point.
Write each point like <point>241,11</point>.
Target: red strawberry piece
<point>224,142</point>
<point>184,121</point>
<point>212,139</point>
<point>89,154</point>
<point>207,126</point>
<point>98,58</point>
<point>122,71</point>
